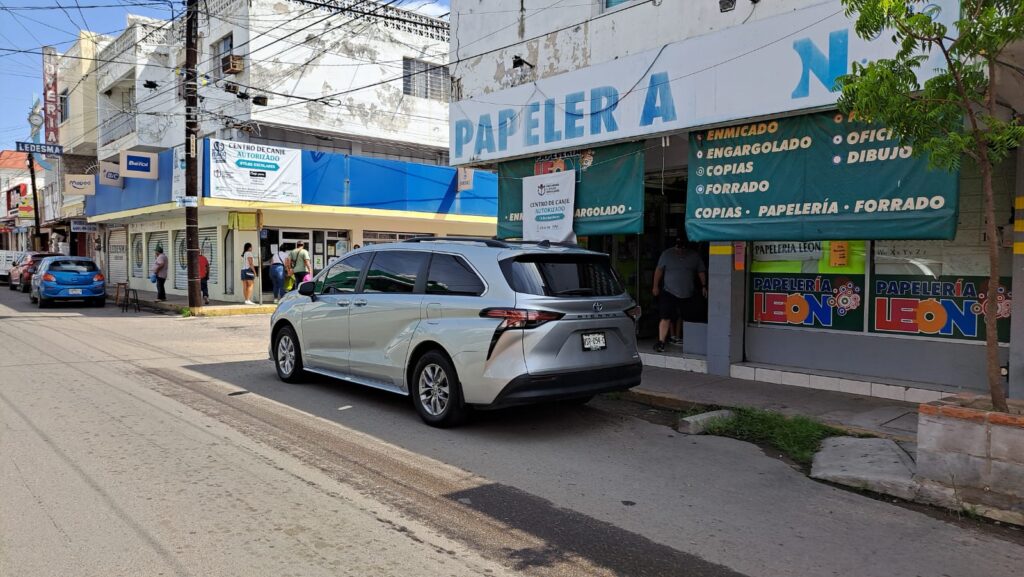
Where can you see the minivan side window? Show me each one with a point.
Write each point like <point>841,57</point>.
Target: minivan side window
<point>344,275</point>
<point>394,271</point>
<point>570,275</point>
<point>451,275</point>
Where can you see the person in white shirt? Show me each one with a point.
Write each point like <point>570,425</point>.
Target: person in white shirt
<point>280,266</point>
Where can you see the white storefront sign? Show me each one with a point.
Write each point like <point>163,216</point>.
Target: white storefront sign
<point>243,171</point>
<point>144,165</point>
<point>785,63</point>
<point>110,174</point>
<point>79,184</point>
<point>548,206</point>
<point>178,172</point>
<point>82,226</point>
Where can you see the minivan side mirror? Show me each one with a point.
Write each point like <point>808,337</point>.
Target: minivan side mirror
<point>308,289</point>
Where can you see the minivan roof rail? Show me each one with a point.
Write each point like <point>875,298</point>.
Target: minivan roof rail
<point>491,242</point>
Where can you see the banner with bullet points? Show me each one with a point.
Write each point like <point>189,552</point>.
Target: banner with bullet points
<point>815,177</point>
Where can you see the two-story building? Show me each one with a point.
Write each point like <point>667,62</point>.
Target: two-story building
<point>17,212</point>
<point>837,259</point>
<point>326,124</point>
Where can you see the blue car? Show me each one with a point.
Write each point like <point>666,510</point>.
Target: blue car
<point>66,278</point>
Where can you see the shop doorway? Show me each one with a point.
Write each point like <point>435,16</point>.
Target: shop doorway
<point>323,246</point>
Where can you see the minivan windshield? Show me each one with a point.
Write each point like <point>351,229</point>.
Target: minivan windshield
<point>562,275</point>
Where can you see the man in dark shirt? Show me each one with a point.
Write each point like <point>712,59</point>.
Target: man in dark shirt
<point>675,289</point>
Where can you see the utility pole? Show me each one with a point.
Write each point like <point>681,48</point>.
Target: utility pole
<point>37,244</point>
<point>195,299</point>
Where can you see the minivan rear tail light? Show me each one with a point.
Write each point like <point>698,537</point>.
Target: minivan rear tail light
<point>99,277</point>
<point>49,278</point>
<point>520,318</point>
<point>516,319</point>
<point>634,313</point>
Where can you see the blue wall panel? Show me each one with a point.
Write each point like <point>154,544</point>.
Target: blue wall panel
<point>336,180</point>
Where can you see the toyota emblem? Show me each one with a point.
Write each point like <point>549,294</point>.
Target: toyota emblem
<point>598,307</point>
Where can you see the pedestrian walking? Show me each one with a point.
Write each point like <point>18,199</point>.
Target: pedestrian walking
<point>159,270</point>
<point>248,273</point>
<point>674,287</point>
<point>300,262</point>
<point>204,277</point>
<point>280,266</point>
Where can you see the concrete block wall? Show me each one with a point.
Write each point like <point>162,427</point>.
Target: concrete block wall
<point>977,453</point>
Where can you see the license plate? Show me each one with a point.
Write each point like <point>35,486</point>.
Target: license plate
<point>594,342</point>
<point>74,291</point>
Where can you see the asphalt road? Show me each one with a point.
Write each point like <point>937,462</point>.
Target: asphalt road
<point>145,444</point>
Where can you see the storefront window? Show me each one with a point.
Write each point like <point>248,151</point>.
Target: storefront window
<point>815,284</point>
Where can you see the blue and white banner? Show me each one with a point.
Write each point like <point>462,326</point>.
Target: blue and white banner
<point>144,165</point>
<point>257,172</point>
<point>781,64</point>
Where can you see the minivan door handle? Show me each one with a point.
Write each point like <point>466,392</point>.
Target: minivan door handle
<point>344,303</point>
<point>360,303</point>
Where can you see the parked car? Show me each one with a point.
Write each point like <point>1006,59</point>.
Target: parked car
<point>458,323</point>
<point>67,278</point>
<point>20,274</point>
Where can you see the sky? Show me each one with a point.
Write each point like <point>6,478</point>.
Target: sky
<point>30,24</point>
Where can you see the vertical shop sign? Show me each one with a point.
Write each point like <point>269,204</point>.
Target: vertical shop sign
<point>51,100</point>
<point>950,307</point>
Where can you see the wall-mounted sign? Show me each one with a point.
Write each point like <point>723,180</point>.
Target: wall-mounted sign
<point>37,148</point>
<point>951,307</point>
<point>779,64</point>
<point>144,165</point>
<point>814,177</point>
<point>465,179</point>
<point>178,172</point>
<point>609,189</point>
<point>548,201</point>
<point>827,301</point>
<point>51,99</point>
<point>79,184</point>
<point>82,226</point>
<point>243,171</point>
<point>187,201</point>
<point>110,174</point>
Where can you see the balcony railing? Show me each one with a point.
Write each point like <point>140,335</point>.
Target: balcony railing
<point>116,127</point>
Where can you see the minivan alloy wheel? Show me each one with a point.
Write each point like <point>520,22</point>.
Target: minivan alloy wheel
<point>286,354</point>
<point>434,390</point>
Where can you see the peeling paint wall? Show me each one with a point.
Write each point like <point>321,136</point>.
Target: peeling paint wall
<point>533,29</point>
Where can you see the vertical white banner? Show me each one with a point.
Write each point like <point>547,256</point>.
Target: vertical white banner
<point>178,173</point>
<point>548,206</point>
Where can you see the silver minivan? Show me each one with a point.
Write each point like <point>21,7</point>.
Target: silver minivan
<point>463,322</point>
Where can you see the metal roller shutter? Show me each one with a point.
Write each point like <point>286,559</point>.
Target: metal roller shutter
<point>138,257</point>
<point>117,256</point>
<point>180,261</point>
<point>207,247</point>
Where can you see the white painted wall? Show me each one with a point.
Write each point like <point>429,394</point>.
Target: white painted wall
<point>481,26</point>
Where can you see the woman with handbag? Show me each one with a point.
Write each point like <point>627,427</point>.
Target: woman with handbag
<point>248,273</point>
<point>280,264</point>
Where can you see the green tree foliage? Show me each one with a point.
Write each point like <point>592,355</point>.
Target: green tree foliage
<point>954,114</point>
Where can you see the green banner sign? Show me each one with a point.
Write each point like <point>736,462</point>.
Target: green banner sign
<point>948,307</point>
<point>814,177</point>
<point>826,301</point>
<point>609,189</point>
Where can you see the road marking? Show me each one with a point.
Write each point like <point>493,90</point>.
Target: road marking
<point>345,407</point>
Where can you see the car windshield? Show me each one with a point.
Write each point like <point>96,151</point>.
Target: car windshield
<point>562,275</point>
<point>72,266</point>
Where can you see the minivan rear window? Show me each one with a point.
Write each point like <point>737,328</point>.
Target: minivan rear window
<point>562,275</point>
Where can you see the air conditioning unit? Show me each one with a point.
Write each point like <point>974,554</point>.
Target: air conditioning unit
<point>231,87</point>
<point>232,64</point>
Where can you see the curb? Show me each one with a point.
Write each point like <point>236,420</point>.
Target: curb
<point>663,401</point>
<point>207,311</point>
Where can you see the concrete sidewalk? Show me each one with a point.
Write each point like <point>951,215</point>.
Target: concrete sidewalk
<point>176,303</point>
<point>857,414</point>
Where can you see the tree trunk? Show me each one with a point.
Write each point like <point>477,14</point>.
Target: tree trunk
<point>995,377</point>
